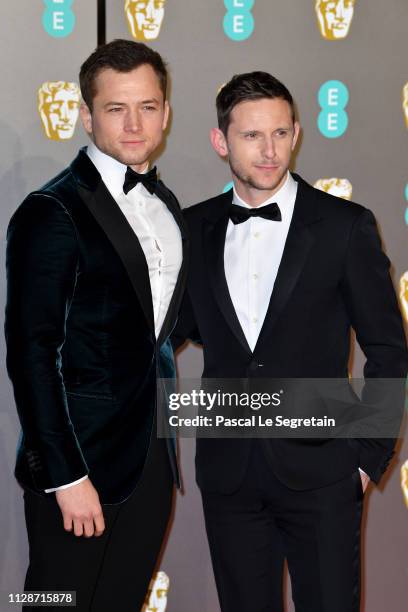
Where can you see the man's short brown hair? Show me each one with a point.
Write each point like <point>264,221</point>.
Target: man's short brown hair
<point>123,56</point>
<point>246,87</point>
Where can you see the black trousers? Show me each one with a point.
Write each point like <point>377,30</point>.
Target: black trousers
<point>253,530</point>
<point>111,572</point>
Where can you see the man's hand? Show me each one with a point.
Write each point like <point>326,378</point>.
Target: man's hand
<point>365,479</point>
<point>81,509</point>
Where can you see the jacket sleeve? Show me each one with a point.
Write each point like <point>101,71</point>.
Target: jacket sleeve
<point>373,309</point>
<point>186,327</point>
<point>41,265</point>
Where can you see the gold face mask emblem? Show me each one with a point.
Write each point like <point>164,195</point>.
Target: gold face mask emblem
<point>341,188</point>
<point>334,17</point>
<point>159,586</point>
<point>144,18</point>
<point>58,105</point>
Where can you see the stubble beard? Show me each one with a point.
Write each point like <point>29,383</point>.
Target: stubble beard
<point>123,158</point>
<point>249,181</point>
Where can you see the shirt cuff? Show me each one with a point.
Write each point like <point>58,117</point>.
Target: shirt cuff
<point>66,486</point>
<point>363,472</point>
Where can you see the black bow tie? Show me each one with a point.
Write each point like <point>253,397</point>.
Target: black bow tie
<point>148,180</point>
<point>239,214</point>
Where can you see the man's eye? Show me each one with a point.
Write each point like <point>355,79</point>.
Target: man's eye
<point>281,133</point>
<point>251,135</point>
<point>149,108</point>
<point>115,109</point>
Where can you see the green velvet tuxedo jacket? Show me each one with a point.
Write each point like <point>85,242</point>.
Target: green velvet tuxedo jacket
<point>81,348</point>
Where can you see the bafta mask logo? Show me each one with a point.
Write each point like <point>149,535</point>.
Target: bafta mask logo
<point>404,481</point>
<point>405,102</point>
<point>159,587</point>
<point>144,18</point>
<point>403,294</point>
<point>342,188</point>
<point>334,17</point>
<point>58,105</point>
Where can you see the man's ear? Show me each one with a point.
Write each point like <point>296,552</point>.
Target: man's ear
<point>296,133</point>
<point>86,118</point>
<point>219,142</point>
<point>166,114</point>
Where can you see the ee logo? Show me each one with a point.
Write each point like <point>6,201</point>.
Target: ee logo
<point>238,20</point>
<point>333,98</point>
<point>58,18</point>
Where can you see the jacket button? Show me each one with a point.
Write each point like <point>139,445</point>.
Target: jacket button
<point>254,365</point>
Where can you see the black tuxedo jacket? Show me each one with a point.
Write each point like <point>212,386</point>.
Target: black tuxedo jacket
<point>81,348</point>
<point>333,276</point>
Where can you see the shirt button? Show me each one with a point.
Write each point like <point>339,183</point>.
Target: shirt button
<point>255,276</point>
<point>255,320</point>
<point>257,234</point>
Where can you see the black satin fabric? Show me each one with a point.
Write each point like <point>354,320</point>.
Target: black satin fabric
<point>81,349</point>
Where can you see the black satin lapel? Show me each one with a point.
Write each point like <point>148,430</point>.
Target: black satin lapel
<point>298,244</point>
<point>171,317</point>
<point>115,225</point>
<point>214,243</point>
<point>171,202</point>
<point>175,302</point>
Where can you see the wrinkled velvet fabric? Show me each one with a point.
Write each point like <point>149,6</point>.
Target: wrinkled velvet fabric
<point>81,349</point>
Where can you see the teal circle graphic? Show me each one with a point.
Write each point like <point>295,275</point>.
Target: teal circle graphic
<point>228,186</point>
<point>333,98</point>
<point>238,6</point>
<point>332,124</point>
<point>239,26</point>
<point>333,94</point>
<point>58,19</point>
<point>406,197</point>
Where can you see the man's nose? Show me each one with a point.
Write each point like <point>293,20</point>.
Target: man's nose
<point>269,149</point>
<point>132,122</point>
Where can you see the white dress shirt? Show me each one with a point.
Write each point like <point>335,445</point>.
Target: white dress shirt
<point>153,224</point>
<point>252,255</point>
<point>156,230</point>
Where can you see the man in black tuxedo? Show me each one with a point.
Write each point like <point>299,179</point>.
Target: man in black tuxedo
<point>96,270</point>
<point>279,274</point>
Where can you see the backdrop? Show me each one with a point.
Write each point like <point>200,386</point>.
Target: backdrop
<point>345,63</point>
